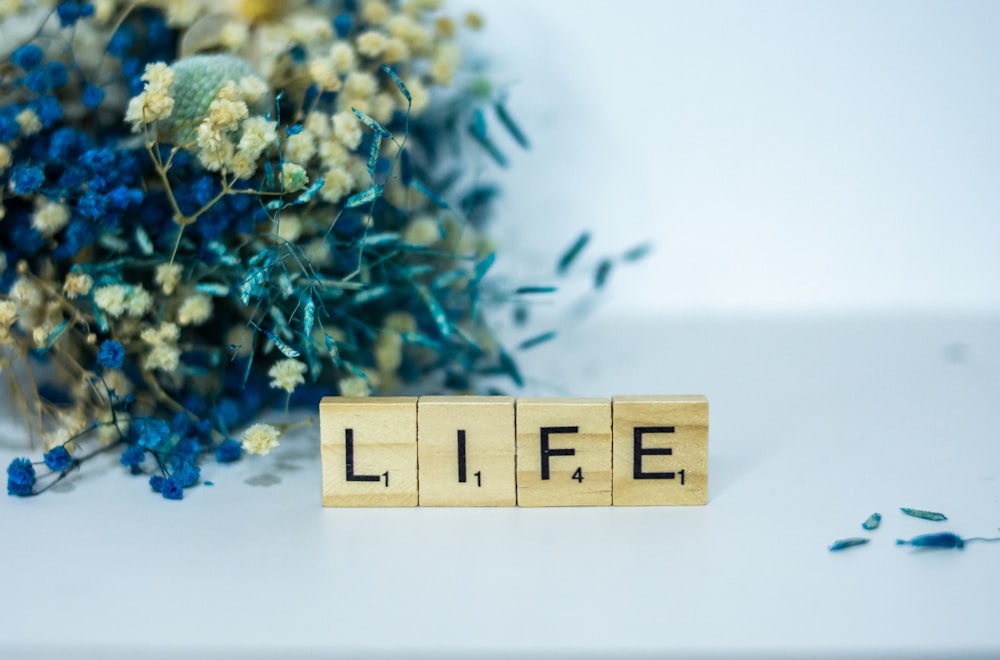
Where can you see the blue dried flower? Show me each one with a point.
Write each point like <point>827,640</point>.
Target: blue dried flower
<point>49,110</point>
<point>58,459</point>
<point>26,179</point>
<point>92,96</point>
<point>156,483</point>
<point>111,355</point>
<point>150,432</point>
<point>133,456</point>
<point>187,475</point>
<point>28,56</point>
<point>228,451</point>
<point>172,489</point>
<point>342,24</point>
<point>69,12</point>
<point>20,477</point>
<point>9,128</point>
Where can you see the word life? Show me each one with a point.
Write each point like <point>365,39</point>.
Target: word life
<point>498,451</point>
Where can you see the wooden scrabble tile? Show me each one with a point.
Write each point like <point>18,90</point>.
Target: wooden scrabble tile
<point>466,450</point>
<point>369,451</point>
<point>661,449</point>
<point>563,452</point>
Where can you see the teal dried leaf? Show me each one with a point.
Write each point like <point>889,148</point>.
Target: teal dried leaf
<point>638,252</point>
<point>399,84</point>
<point>601,274</point>
<point>371,123</point>
<point>536,340</point>
<point>437,312</point>
<point>508,122</point>
<point>222,253</point>
<point>308,317</point>
<point>483,267</point>
<point>366,196</point>
<point>420,340</point>
<point>568,257</point>
<point>213,289</point>
<point>55,335</point>
<point>842,544</point>
<point>524,290</point>
<point>448,278</point>
<point>307,195</point>
<point>382,238</point>
<point>478,131</point>
<point>429,194</point>
<point>509,367</point>
<point>143,241</point>
<point>873,521</point>
<point>113,243</point>
<point>269,183</point>
<point>331,346</point>
<point>371,294</point>
<point>263,258</point>
<point>925,515</point>
<point>942,540</point>
<point>373,153</point>
<point>285,349</point>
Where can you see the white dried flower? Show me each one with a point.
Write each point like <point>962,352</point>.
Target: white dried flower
<point>28,121</point>
<point>163,357</point>
<point>195,310</point>
<point>343,57</point>
<point>168,276</point>
<point>139,302</point>
<point>258,135</point>
<point>371,43</point>
<point>253,89</point>
<point>77,284</point>
<point>300,147</point>
<point>336,183</point>
<point>289,227</point>
<point>359,84</point>
<point>293,177</point>
<point>354,386</point>
<point>49,218</point>
<point>347,129</point>
<point>287,374</point>
<point>111,299</point>
<point>260,439</point>
<point>6,157</point>
<point>323,71</point>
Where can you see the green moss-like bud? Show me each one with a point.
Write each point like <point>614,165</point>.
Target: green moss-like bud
<point>198,79</point>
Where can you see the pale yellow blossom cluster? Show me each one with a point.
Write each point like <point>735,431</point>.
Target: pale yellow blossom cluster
<point>163,353</point>
<point>260,439</point>
<point>29,122</point>
<point>168,276</point>
<point>195,310</point>
<point>230,140</point>
<point>119,299</point>
<point>287,374</point>
<point>77,284</point>
<point>49,218</point>
<point>156,100</point>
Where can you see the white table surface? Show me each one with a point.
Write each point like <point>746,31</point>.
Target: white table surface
<point>815,423</point>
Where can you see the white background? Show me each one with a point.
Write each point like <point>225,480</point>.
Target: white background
<point>779,155</point>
